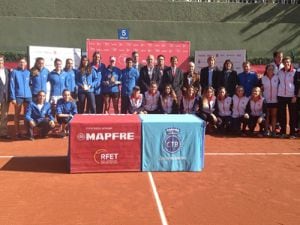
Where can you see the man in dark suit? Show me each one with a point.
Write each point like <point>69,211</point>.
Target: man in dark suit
<point>159,69</point>
<point>148,74</point>
<point>209,76</point>
<point>4,100</point>
<point>135,59</point>
<point>174,76</point>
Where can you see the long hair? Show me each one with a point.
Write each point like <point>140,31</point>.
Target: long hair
<point>35,70</point>
<point>85,69</point>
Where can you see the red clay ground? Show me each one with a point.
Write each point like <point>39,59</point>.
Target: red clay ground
<point>35,187</point>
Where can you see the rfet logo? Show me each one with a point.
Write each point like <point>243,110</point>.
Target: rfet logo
<point>172,142</point>
<point>102,156</point>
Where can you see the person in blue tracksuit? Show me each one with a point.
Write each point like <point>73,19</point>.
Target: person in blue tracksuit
<point>100,69</point>
<point>110,86</point>
<point>20,92</point>
<point>38,77</point>
<point>71,72</point>
<point>129,80</point>
<point>86,79</point>
<point>65,110</point>
<point>38,114</point>
<point>248,79</point>
<point>58,82</point>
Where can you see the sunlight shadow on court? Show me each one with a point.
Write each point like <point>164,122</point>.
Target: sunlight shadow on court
<point>46,164</point>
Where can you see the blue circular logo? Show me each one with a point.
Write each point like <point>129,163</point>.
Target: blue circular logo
<point>172,144</point>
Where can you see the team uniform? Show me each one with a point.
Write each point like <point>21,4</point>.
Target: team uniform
<point>188,105</point>
<point>257,111</point>
<point>238,111</point>
<point>65,107</point>
<point>136,104</point>
<point>129,79</point>
<point>286,91</point>
<point>151,102</point>
<point>223,112</point>
<point>38,82</point>
<point>41,114</point>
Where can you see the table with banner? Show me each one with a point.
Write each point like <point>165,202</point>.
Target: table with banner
<point>109,143</point>
<point>172,143</point>
<point>105,143</point>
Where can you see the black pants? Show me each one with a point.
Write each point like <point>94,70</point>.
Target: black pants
<point>99,104</point>
<point>91,105</point>
<point>225,125</point>
<point>253,121</point>
<point>124,104</point>
<point>236,124</point>
<point>282,103</point>
<point>42,124</point>
<point>207,117</point>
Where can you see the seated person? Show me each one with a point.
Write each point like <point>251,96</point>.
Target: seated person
<point>256,111</point>
<point>224,104</point>
<point>168,103</point>
<point>239,117</point>
<point>65,110</point>
<point>207,106</point>
<point>189,101</point>
<point>38,114</point>
<point>136,101</point>
<point>151,98</point>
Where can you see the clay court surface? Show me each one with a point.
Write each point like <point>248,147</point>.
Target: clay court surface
<point>245,181</point>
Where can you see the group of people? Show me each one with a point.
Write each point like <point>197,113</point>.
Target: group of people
<point>227,101</point>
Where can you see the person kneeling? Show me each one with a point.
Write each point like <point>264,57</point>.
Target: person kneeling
<point>136,102</point>
<point>65,110</point>
<point>38,114</point>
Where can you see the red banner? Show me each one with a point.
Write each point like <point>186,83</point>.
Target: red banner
<point>122,49</point>
<point>104,143</point>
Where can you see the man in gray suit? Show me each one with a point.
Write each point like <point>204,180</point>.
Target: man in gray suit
<point>4,100</point>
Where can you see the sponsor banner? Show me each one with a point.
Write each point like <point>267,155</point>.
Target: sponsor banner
<point>122,49</point>
<point>236,56</point>
<point>172,143</point>
<point>51,53</point>
<point>103,143</point>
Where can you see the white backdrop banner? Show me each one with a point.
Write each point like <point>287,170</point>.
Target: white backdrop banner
<point>236,56</point>
<point>51,53</point>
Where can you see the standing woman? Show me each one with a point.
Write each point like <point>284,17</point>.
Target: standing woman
<point>71,72</point>
<point>38,77</point>
<point>228,78</point>
<point>207,106</point>
<point>20,92</point>
<point>287,97</point>
<point>100,69</point>
<point>86,79</point>
<point>58,83</point>
<point>269,86</point>
<point>168,103</point>
<point>189,101</point>
<point>110,86</point>
<point>224,105</point>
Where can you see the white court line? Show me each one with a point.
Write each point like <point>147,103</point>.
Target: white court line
<point>250,153</point>
<point>158,202</point>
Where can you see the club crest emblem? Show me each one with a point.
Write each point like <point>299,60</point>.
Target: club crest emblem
<point>172,142</point>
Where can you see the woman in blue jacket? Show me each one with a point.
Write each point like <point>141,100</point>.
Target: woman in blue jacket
<point>110,86</point>
<point>86,80</point>
<point>65,110</point>
<point>38,114</point>
<point>20,93</point>
<point>58,83</point>
<point>38,77</point>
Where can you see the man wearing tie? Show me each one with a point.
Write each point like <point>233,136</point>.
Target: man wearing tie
<point>4,100</point>
<point>174,76</point>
